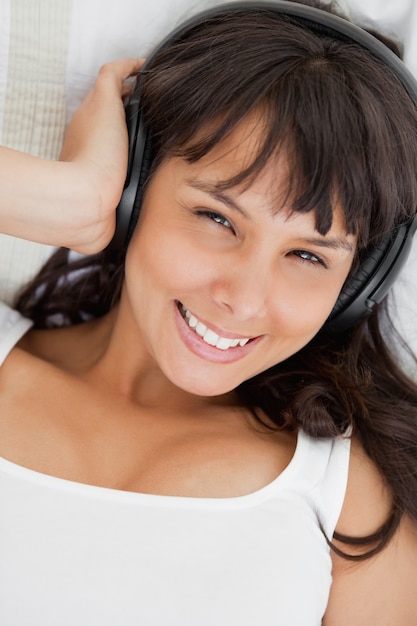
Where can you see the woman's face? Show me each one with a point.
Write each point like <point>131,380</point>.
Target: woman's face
<point>222,285</point>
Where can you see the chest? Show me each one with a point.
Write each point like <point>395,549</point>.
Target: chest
<point>62,426</point>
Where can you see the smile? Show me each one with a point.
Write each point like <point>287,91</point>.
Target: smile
<point>208,335</point>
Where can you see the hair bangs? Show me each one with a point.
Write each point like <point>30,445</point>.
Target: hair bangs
<point>307,116</point>
<point>329,104</point>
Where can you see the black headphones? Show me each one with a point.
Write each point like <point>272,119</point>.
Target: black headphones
<point>382,264</point>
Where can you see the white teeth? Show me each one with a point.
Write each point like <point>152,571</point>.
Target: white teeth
<point>200,329</point>
<point>224,344</point>
<point>192,321</point>
<point>209,336</point>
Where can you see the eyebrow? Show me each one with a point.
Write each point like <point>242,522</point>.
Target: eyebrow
<point>213,190</point>
<point>333,243</point>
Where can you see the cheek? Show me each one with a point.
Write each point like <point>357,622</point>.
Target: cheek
<point>165,261</point>
<point>301,310</point>
<point>309,311</point>
<point>177,258</point>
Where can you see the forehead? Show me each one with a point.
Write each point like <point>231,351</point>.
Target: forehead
<point>224,167</point>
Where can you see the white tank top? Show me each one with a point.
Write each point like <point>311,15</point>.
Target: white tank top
<point>78,555</point>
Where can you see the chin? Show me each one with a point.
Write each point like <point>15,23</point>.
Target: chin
<point>207,391</point>
<point>204,385</point>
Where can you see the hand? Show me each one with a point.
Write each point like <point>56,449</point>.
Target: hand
<point>96,145</point>
<point>72,202</point>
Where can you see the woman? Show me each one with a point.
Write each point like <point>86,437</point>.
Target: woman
<point>202,447</point>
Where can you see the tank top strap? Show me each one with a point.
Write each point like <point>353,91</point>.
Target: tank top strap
<point>12,328</point>
<point>320,473</point>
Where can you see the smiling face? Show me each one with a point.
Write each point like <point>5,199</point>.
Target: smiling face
<point>221,285</point>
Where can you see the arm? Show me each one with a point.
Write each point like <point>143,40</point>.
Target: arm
<point>383,589</point>
<point>71,202</point>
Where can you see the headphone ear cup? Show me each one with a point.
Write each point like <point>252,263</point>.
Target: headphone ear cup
<point>143,171</point>
<point>378,269</point>
<point>350,296</point>
<point>137,171</point>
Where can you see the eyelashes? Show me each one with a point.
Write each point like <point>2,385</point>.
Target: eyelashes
<point>309,257</point>
<point>218,218</point>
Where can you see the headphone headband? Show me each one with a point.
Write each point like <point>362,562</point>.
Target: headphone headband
<point>319,21</point>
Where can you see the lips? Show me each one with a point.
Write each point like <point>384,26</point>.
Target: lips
<point>208,335</point>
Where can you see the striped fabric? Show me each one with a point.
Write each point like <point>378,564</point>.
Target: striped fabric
<point>33,56</point>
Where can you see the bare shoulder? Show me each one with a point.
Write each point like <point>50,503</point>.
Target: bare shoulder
<point>383,589</point>
<point>368,499</point>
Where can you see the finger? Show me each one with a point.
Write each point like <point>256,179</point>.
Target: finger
<point>121,69</point>
<point>128,87</point>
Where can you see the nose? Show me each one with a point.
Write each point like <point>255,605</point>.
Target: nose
<point>243,287</point>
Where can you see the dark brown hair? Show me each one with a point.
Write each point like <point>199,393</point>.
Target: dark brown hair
<point>350,131</point>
